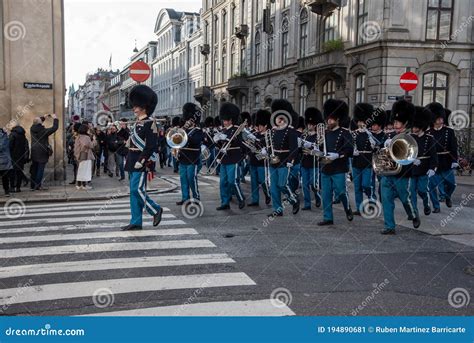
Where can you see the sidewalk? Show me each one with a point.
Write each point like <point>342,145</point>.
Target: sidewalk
<point>465,180</point>
<point>104,187</point>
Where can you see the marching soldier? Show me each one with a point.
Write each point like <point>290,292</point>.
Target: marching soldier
<point>425,164</point>
<point>208,141</point>
<point>393,186</point>
<point>229,157</point>
<point>141,156</point>
<point>189,156</point>
<point>175,123</point>
<point>364,145</point>
<point>257,166</point>
<point>447,151</point>
<point>309,161</point>
<point>295,172</point>
<point>377,128</point>
<point>244,163</point>
<point>339,149</point>
<point>285,149</point>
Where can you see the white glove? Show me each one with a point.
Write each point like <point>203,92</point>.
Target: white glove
<point>416,162</point>
<point>332,156</point>
<point>387,142</point>
<point>316,148</point>
<point>251,136</point>
<point>289,165</point>
<point>223,151</point>
<point>356,152</point>
<point>216,138</point>
<point>430,173</point>
<point>264,152</point>
<point>138,165</point>
<point>300,141</point>
<point>372,142</point>
<point>454,165</point>
<point>307,145</point>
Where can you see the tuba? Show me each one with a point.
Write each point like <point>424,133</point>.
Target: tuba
<point>401,151</point>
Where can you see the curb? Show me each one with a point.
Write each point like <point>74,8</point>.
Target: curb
<point>95,198</point>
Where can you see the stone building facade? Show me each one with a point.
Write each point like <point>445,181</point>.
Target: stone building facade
<point>309,51</point>
<point>32,69</point>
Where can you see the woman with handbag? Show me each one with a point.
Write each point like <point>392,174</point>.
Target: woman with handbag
<point>83,152</point>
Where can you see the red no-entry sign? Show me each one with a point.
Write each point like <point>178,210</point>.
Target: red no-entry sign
<point>408,81</point>
<point>140,71</point>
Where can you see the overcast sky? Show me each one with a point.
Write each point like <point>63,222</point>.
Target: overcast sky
<point>95,29</point>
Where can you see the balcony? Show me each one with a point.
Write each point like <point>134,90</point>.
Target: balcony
<point>202,94</point>
<point>324,7</point>
<point>238,84</point>
<point>332,63</point>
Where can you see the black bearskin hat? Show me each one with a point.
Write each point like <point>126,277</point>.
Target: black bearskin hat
<point>438,111</point>
<point>363,111</point>
<point>229,111</point>
<point>144,97</point>
<point>176,121</point>
<point>282,105</point>
<point>191,112</point>
<point>245,116</point>
<point>336,109</point>
<point>262,117</point>
<point>313,116</point>
<point>422,118</point>
<point>217,122</point>
<point>379,117</point>
<point>403,111</point>
<point>301,124</point>
<point>209,122</point>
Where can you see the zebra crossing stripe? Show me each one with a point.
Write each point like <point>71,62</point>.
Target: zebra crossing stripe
<point>164,223</point>
<point>105,247</point>
<point>113,263</point>
<point>100,218</point>
<point>119,286</point>
<point>86,214</point>
<point>80,203</point>
<point>92,209</point>
<point>212,309</point>
<point>92,226</point>
<point>98,235</point>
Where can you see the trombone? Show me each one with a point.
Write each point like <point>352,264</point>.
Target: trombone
<point>221,153</point>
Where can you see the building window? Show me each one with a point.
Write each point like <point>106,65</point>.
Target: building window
<point>435,88</point>
<point>232,17</point>
<point>224,24</point>
<point>303,32</point>
<point>243,59</point>
<point>243,16</point>
<point>329,90</point>
<point>257,100</point>
<point>216,29</point>
<point>270,49</point>
<point>438,21</point>
<point>360,88</point>
<point>284,93</point>
<point>257,53</point>
<point>206,33</point>
<point>284,42</point>
<point>286,3</point>
<point>233,60</point>
<point>362,14</point>
<point>330,24</point>
<point>216,61</point>
<point>257,11</point>
<point>224,64</point>
<point>303,96</point>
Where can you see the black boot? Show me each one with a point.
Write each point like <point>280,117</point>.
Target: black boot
<point>131,227</point>
<point>157,217</point>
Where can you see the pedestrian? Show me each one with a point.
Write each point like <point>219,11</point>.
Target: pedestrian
<point>70,150</point>
<point>40,149</point>
<point>112,145</point>
<point>100,150</point>
<point>83,153</point>
<point>123,134</point>
<point>163,148</point>
<point>20,154</point>
<point>5,161</point>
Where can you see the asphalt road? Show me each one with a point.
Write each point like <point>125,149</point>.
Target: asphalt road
<point>71,259</point>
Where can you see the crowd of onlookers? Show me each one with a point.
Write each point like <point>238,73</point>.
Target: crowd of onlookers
<point>15,153</point>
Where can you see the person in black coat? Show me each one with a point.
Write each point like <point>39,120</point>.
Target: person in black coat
<point>20,154</point>
<point>40,149</point>
<point>123,134</point>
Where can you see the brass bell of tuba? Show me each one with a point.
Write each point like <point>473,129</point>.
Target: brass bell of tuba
<point>402,150</point>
